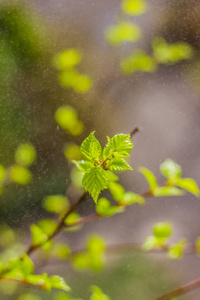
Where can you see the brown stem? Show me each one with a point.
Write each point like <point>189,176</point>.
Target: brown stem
<point>181,290</point>
<point>21,281</point>
<point>60,225</point>
<point>134,131</point>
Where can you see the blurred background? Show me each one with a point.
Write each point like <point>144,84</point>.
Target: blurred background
<point>125,79</point>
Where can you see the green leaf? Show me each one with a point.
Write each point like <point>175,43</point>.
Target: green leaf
<point>95,181</point>
<point>67,59</point>
<point>58,283</point>
<point>95,244</point>
<point>150,243</point>
<point>119,164</point>
<point>170,169</point>
<point>38,236</point>
<point>81,261</point>
<point>131,198</point>
<point>67,118</point>
<point>176,251</point>
<point>55,203</point>
<point>104,208</point>
<point>112,177</point>
<point>139,61</point>
<point>83,165</point>
<point>122,32</point>
<point>27,265</point>
<point>188,184</point>
<point>97,294</point>
<point>167,191</point>
<point>71,220</point>
<point>150,177</point>
<point>165,53</point>
<point>134,7</point>
<point>91,147</point>
<point>61,251</point>
<point>72,151</point>
<point>118,146</point>
<point>25,154</point>
<point>47,226</point>
<point>162,230</point>
<point>20,175</point>
<point>117,191</point>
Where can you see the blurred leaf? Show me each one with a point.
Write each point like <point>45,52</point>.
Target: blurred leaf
<point>150,243</point>
<point>162,230</point>
<point>67,59</point>
<point>25,154</point>
<point>61,251</point>
<point>188,184</point>
<point>67,118</point>
<point>81,83</point>
<point>94,181</point>
<point>150,177</point>
<point>27,265</point>
<point>47,225</point>
<point>20,175</point>
<point>170,169</point>
<point>176,251</point>
<point>167,191</point>
<point>117,191</point>
<point>72,151</point>
<point>168,54</point>
<point>112,177</point>
<point>72,219</point>
<point>76,178</point>
<point>131,198</point>
<point>81,261</point>
<point>97,294</point>
<point>38,236</point>
<point>58,283</point>
<point>55,203</point>
<point>120,144</point>
<point>139,61</point>
<point>95,244</point>
<point>119,164</point>
<point>91,147</point>
<point>104,208</point>
<point>134,7</point>
<point>122,32</point>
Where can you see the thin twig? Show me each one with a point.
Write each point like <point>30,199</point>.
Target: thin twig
<point>181,290</point>
<point>59,226</point>
<point>22,281</point>
<point>134,131</point>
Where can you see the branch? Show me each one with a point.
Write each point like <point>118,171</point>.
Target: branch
<point>59,226</point>
<point>134,131</point>
<point>22,281</point>
<point>181,290</point>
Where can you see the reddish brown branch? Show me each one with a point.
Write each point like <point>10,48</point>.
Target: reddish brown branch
<point>181,290</point>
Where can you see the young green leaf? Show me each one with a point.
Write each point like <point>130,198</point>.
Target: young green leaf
<point>162,230</point>
<point>170,169</point>
<point>119,164</point>
<point>117,191</point>
<point>134,7</point>
<point>55,203</point>
<point>38,236</point>
<point>91,147</point>
<point>176,251</point>
<point>97,294</point>
<point>150,177</point>
<point>94,181</point>
<point>118,146</point>
<point>58,283</point>
<point>188,184</point>
<point>104,208</point>
<point>83,165</point>
<point>131,198</point>
<point>167,191</point>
